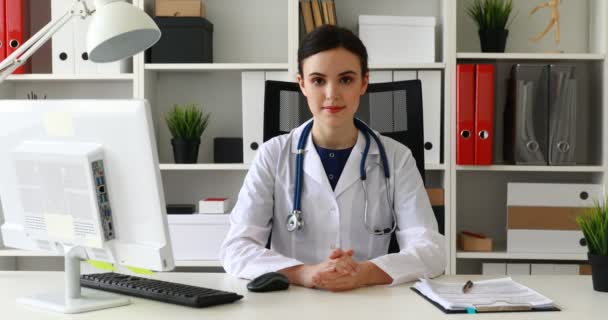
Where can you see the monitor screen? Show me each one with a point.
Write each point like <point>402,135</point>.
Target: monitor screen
<point>83,173</point>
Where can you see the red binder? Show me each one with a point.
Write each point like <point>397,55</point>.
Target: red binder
<point>484,113</point>
<point>2,30</point>
<point>17,28</point>
<point>465,114</point>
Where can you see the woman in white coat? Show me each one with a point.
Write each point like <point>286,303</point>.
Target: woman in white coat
<point>334,245</point>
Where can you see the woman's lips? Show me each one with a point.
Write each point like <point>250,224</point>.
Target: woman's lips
<point>333,109</point>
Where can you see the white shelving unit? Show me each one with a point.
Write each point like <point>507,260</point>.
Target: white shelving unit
<point>479,192</point>
<point>263,35</point>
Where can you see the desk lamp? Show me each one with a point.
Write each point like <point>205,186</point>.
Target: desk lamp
<point>118,30</point>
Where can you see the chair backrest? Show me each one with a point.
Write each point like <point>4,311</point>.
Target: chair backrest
<point>393,108</point>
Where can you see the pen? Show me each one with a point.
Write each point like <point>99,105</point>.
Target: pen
<point>467,286</point>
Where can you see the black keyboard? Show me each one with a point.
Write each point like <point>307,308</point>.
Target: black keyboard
<point>158,290</point>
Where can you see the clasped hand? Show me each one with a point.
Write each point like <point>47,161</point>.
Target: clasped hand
<point>339,273</point>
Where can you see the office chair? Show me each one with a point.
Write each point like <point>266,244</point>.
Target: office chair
<point>393,108</point>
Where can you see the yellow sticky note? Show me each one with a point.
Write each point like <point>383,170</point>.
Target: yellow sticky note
<point>59,124</point>
<point>101,265</point>
<point>140,270</point>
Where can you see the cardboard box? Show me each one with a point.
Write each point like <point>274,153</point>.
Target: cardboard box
<point>469,242</point>
<point>584,269</point>
<point>435,196</point>
<point>180,8</point>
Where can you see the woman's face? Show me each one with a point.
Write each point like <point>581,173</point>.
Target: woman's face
<point>333,84</point>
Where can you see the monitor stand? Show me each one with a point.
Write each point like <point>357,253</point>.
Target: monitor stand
<point>72,301</point>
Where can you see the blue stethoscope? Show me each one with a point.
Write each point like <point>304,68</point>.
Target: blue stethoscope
<point>294,220</point>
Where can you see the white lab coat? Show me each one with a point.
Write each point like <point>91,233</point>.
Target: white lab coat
<point>332,219</point>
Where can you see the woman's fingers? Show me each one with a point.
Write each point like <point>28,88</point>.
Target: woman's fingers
<point>337,253</point>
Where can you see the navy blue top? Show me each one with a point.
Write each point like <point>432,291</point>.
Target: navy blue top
<point>333,163</point>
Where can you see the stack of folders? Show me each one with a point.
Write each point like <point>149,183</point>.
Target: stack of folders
<point>317,13</point>
<point>474,114</point>
<point>14,29</point>
<point>495,295</point>
<point>540,115</point>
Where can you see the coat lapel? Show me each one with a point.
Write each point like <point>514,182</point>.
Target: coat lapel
<point>351,172</point>
<point>313,167</point>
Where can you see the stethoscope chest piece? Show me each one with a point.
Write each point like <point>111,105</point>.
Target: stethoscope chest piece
<point>294,221</point>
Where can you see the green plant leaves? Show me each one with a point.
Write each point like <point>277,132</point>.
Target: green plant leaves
<point>594,224</point>
<point>187,122</point>
<point>491,14</point>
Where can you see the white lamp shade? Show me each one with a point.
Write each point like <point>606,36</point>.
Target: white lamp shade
<point>119,30</point>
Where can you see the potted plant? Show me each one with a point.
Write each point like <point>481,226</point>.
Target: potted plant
<point>186,123</point>
<point>492,19</point>
<point>594,224</point>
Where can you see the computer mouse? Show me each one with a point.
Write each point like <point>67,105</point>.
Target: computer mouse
<point>271,281</point>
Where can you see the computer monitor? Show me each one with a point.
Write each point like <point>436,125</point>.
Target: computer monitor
<point>81,178</point>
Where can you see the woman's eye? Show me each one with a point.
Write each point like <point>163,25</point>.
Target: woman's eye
<point>346,80</point>
<point>318,81</point>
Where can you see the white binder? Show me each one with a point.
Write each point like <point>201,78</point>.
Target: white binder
<point>63,40</point>
<point>253,86</point>
<point>82,64</point>
<point>518,269</point>
<point>253,113</point>
<point>431,113</point>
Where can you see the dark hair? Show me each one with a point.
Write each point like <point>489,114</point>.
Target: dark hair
<point>327,37</point>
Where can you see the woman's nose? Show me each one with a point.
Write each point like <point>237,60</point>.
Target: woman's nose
<point>332,92</point>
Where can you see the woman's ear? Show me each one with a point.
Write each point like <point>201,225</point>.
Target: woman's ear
<point>364,83</point>
<point>301,83</point>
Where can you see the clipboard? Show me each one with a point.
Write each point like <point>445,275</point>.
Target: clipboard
<point>488,309</point>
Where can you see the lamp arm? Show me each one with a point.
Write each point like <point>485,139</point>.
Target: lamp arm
<point>27,49</point>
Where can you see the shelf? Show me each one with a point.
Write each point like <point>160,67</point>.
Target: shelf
<point>26,253</point>
<point>243,166</point>
<point>517,168</point>
<point>521,256</point>
<point>69,77</point>
<point>415,66</point>
<point>529,56</point>
<point>203,166</point>
<point>198,263</point>
<point>434,166</point>
<point>194,67</point>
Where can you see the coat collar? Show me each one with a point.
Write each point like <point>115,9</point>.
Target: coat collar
<point>314,167</point>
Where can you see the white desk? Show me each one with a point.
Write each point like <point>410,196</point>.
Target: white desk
<point>574,294</point>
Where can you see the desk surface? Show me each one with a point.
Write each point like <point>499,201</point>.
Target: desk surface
<point>574,294</point>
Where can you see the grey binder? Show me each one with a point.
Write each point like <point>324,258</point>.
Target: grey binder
<point>562,115</point>
<point>526,115</point>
